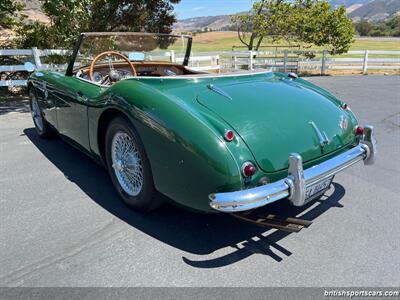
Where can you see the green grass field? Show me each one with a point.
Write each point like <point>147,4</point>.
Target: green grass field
<point>223,41</point>
<point>376,45</point>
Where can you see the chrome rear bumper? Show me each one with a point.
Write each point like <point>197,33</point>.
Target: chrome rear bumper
<point>295,184</point>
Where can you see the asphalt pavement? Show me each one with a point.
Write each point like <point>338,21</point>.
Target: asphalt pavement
<point>62,224</point>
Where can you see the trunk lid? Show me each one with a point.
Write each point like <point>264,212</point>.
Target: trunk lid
<point>273,116</point>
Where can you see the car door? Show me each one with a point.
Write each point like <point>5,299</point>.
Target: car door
<point>73,97</point>
<point>44,92</point>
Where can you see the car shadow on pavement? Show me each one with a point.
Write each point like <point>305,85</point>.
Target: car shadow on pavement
<point>194,233</point>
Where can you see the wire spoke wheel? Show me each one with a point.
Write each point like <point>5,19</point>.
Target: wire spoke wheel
<point>129,167</point>
<point>127,163</point>
<point>36,113</point>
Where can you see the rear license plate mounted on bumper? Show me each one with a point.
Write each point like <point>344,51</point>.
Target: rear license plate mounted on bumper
<point>318,188</point>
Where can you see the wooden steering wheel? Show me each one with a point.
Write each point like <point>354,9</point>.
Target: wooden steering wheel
<point>110,53</point>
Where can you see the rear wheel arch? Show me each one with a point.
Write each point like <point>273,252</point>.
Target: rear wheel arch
<point>45,130</point>
<point>29,86</point>
<point>105,118</point>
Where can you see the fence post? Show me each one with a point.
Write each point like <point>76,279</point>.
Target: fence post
<point>36,57</point>
<point>285,60</point>
<point>250,67</point>
<point>323,62</point>
<point>172,55</point>
<point>365,63</point>
<point>217,63</point>
<point>234,61</point>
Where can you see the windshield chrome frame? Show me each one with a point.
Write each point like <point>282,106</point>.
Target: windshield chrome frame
<point>70,68</point>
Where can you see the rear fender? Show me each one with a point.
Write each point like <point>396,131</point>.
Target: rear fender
<point>187,153</point>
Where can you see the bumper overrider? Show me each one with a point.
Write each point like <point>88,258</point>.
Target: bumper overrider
<point>294,186</point>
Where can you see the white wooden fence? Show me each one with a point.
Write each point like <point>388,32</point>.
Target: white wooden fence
<point>197,62</point>
<point>34,55</point>
<point>296,60</point>
<point>366,62</point>
<point>280,60</point>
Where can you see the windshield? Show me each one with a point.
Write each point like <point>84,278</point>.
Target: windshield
<point>136,46</point>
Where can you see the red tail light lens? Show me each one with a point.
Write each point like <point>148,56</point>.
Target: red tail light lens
<point>248,169</point>
<point>359,130</point>
<point>229,135</point>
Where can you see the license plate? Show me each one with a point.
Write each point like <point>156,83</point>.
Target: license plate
<point>315,189</point>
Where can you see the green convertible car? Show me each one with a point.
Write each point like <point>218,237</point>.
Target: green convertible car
<point>211,142</point>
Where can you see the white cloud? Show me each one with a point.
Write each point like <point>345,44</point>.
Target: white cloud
<point>198,8</point>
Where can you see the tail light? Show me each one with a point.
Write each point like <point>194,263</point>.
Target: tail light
<point>359,130</point>
<point>228,135</point>
<point>248,169</point>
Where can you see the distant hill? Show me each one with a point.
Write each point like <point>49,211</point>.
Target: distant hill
<point>376,10</point>
<point>372,10</point>
<point>353,7</point>
<point>31,4</point>
<point>347,3</point>
<point>200,23</point>
<point>33,11</point>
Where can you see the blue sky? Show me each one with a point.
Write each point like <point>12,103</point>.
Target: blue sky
<point>199,8</point>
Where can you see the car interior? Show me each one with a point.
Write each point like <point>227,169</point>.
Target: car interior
<point>107,73</point>
<point>150,68</point>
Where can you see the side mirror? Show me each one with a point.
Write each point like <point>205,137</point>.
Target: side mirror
<point>29,67</point>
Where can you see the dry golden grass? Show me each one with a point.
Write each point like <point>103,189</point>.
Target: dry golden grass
<point>214,36</point>
<point>36,15</point>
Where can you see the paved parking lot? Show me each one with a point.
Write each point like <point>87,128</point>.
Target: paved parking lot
<point>62,224</point>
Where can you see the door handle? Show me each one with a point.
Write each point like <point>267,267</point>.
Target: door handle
<point>81,97</point>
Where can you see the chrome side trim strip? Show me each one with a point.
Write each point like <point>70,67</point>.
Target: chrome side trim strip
<point>295,184</point>
<point>219,91</point>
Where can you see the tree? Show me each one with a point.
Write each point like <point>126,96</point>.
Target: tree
<point>394,26</point>
<point>10,13</point>
<point>364,28</point>
<point>389,27</point>
<point>248,26</point>
<point>309,22</point>
<point>70,17</point>
<point>37,34</point>
<point>322,26</point>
